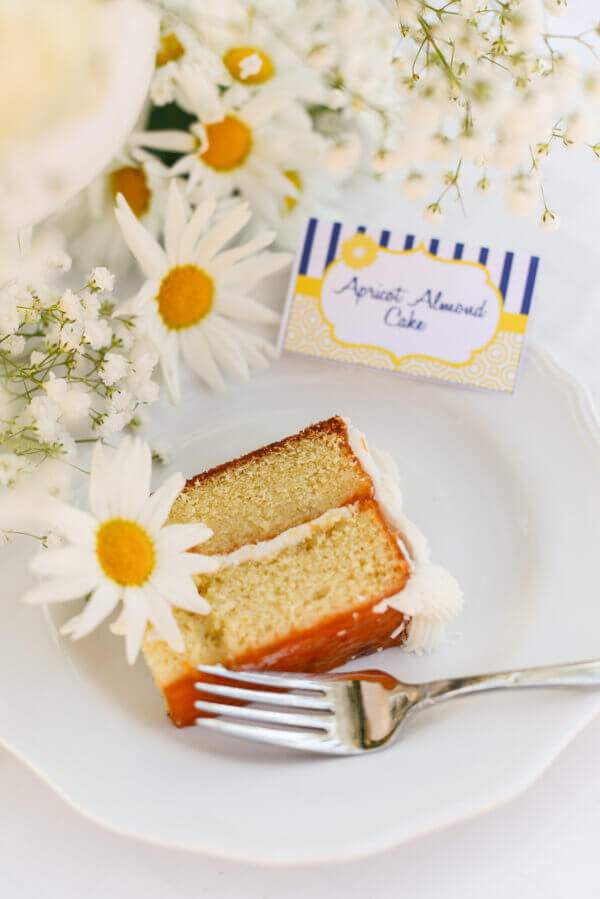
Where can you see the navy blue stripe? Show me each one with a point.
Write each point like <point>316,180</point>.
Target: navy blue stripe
<point>333,243</point>
<point>504,278</point>
<point>408,243</point>
<point>308,242</point>
<point>529,285</point>
<point>483,255</point>
<point>458,250</point>
<point>384,239</point>
<point>361,229</point>
<point>433,246</point>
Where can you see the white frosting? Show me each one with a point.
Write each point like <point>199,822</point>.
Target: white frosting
<point>254,552</point>
<point>432,596</point>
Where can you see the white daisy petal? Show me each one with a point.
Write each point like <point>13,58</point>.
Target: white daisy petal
<point>222,262</point>
<point>176,538</point>
<point>132,468</point>
<point>184,166</point>
<point>173,141</point>
<point>74,524</point>
<point>133,620</point>
<point>198,356</point>
<point>169,363</point>
<point>182,593</point>
<point>193,229</point>
<point>102,602</point>
<point>249,270</point>
<point>158,505</point>
<point>263,107</point>
<point>62,589</point>
<point>220,233</point>
<point>245,308</point>
<point>161,616</point>
<point>226,349</point>
<point>149,253</point>
<point>175,223</point>
<point>99,475</point>
<point>74,559</point>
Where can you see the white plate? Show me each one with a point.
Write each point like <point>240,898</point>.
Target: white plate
<point>507,489</point>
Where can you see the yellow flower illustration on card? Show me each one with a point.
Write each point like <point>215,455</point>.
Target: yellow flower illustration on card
<point>359,251</point>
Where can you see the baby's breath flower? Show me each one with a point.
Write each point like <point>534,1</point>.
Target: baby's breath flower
<point>433,213</point>
<point>51,540</point>
<point>556,8</point>
<point>113,368</point>
<point>102,279</point>
<point>549,220</point>
<point>162,452</point>
<point>416,186</point>
<point>484,186</point>
<point>14,345</point>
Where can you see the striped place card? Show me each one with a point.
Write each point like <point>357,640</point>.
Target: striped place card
<point>432,308</point>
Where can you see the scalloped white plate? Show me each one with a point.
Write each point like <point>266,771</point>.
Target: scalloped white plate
<point>508,490</point>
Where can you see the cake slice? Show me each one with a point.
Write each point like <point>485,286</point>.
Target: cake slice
<point>317,564</point>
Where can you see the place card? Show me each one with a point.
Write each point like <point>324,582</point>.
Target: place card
<point>430,308</point>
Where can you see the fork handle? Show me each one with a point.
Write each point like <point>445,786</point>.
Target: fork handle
<point>575,674</point>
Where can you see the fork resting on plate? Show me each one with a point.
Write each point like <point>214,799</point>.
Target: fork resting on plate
<point>349,713</point>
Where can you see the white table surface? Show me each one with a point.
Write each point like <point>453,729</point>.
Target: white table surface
<point>544,843</point>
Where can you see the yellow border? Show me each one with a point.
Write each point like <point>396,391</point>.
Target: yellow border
<point>507,321</point>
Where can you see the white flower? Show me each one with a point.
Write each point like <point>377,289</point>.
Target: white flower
<point>98,334</point>
<point>549,221</point>
<point>73,402</point>
<point>14,344</point>
<point>122,551</point>
<point>114,367</point>
<point>52,540</point>
<point>196,290</point>
<point>484,186</point>
<point>10,315</point>
<point>416,186</point>
<point>321,58</point>
<point>162,451</point>
<point>102,279</point>
<point>114,422</point>
<point>343,156</point>
<point>556,8</point>
<point>244,145</point>
<point>44,415</point>
<point>433,213</point>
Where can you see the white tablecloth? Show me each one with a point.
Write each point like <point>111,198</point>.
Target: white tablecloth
<point>541,844</point>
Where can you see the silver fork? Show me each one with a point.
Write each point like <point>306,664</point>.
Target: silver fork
<point>346,714</point>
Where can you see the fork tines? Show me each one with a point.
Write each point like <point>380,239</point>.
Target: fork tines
<point>304,717</point>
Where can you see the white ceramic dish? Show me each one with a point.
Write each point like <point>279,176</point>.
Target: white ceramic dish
<point>507,489</point>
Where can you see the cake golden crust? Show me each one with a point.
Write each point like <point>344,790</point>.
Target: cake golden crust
<point>334,426</point>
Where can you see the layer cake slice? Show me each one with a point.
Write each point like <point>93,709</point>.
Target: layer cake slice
<point>316,564</point>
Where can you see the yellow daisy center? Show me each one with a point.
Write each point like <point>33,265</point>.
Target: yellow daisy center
<point>171,49</point>
<point>229,142</point>
<point>185,296</point>
<point>125,552</point>
<point>131,181</point>
<point>249,65</point>
<point>294,177</point>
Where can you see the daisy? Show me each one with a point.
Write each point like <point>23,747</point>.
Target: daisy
<point>89,222</point>
<point>195,290</point>
<point>122,551</point>
<point>256,53</point>
<point>239,143</point>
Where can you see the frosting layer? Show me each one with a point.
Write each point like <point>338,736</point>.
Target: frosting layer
<point>432,596</point>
